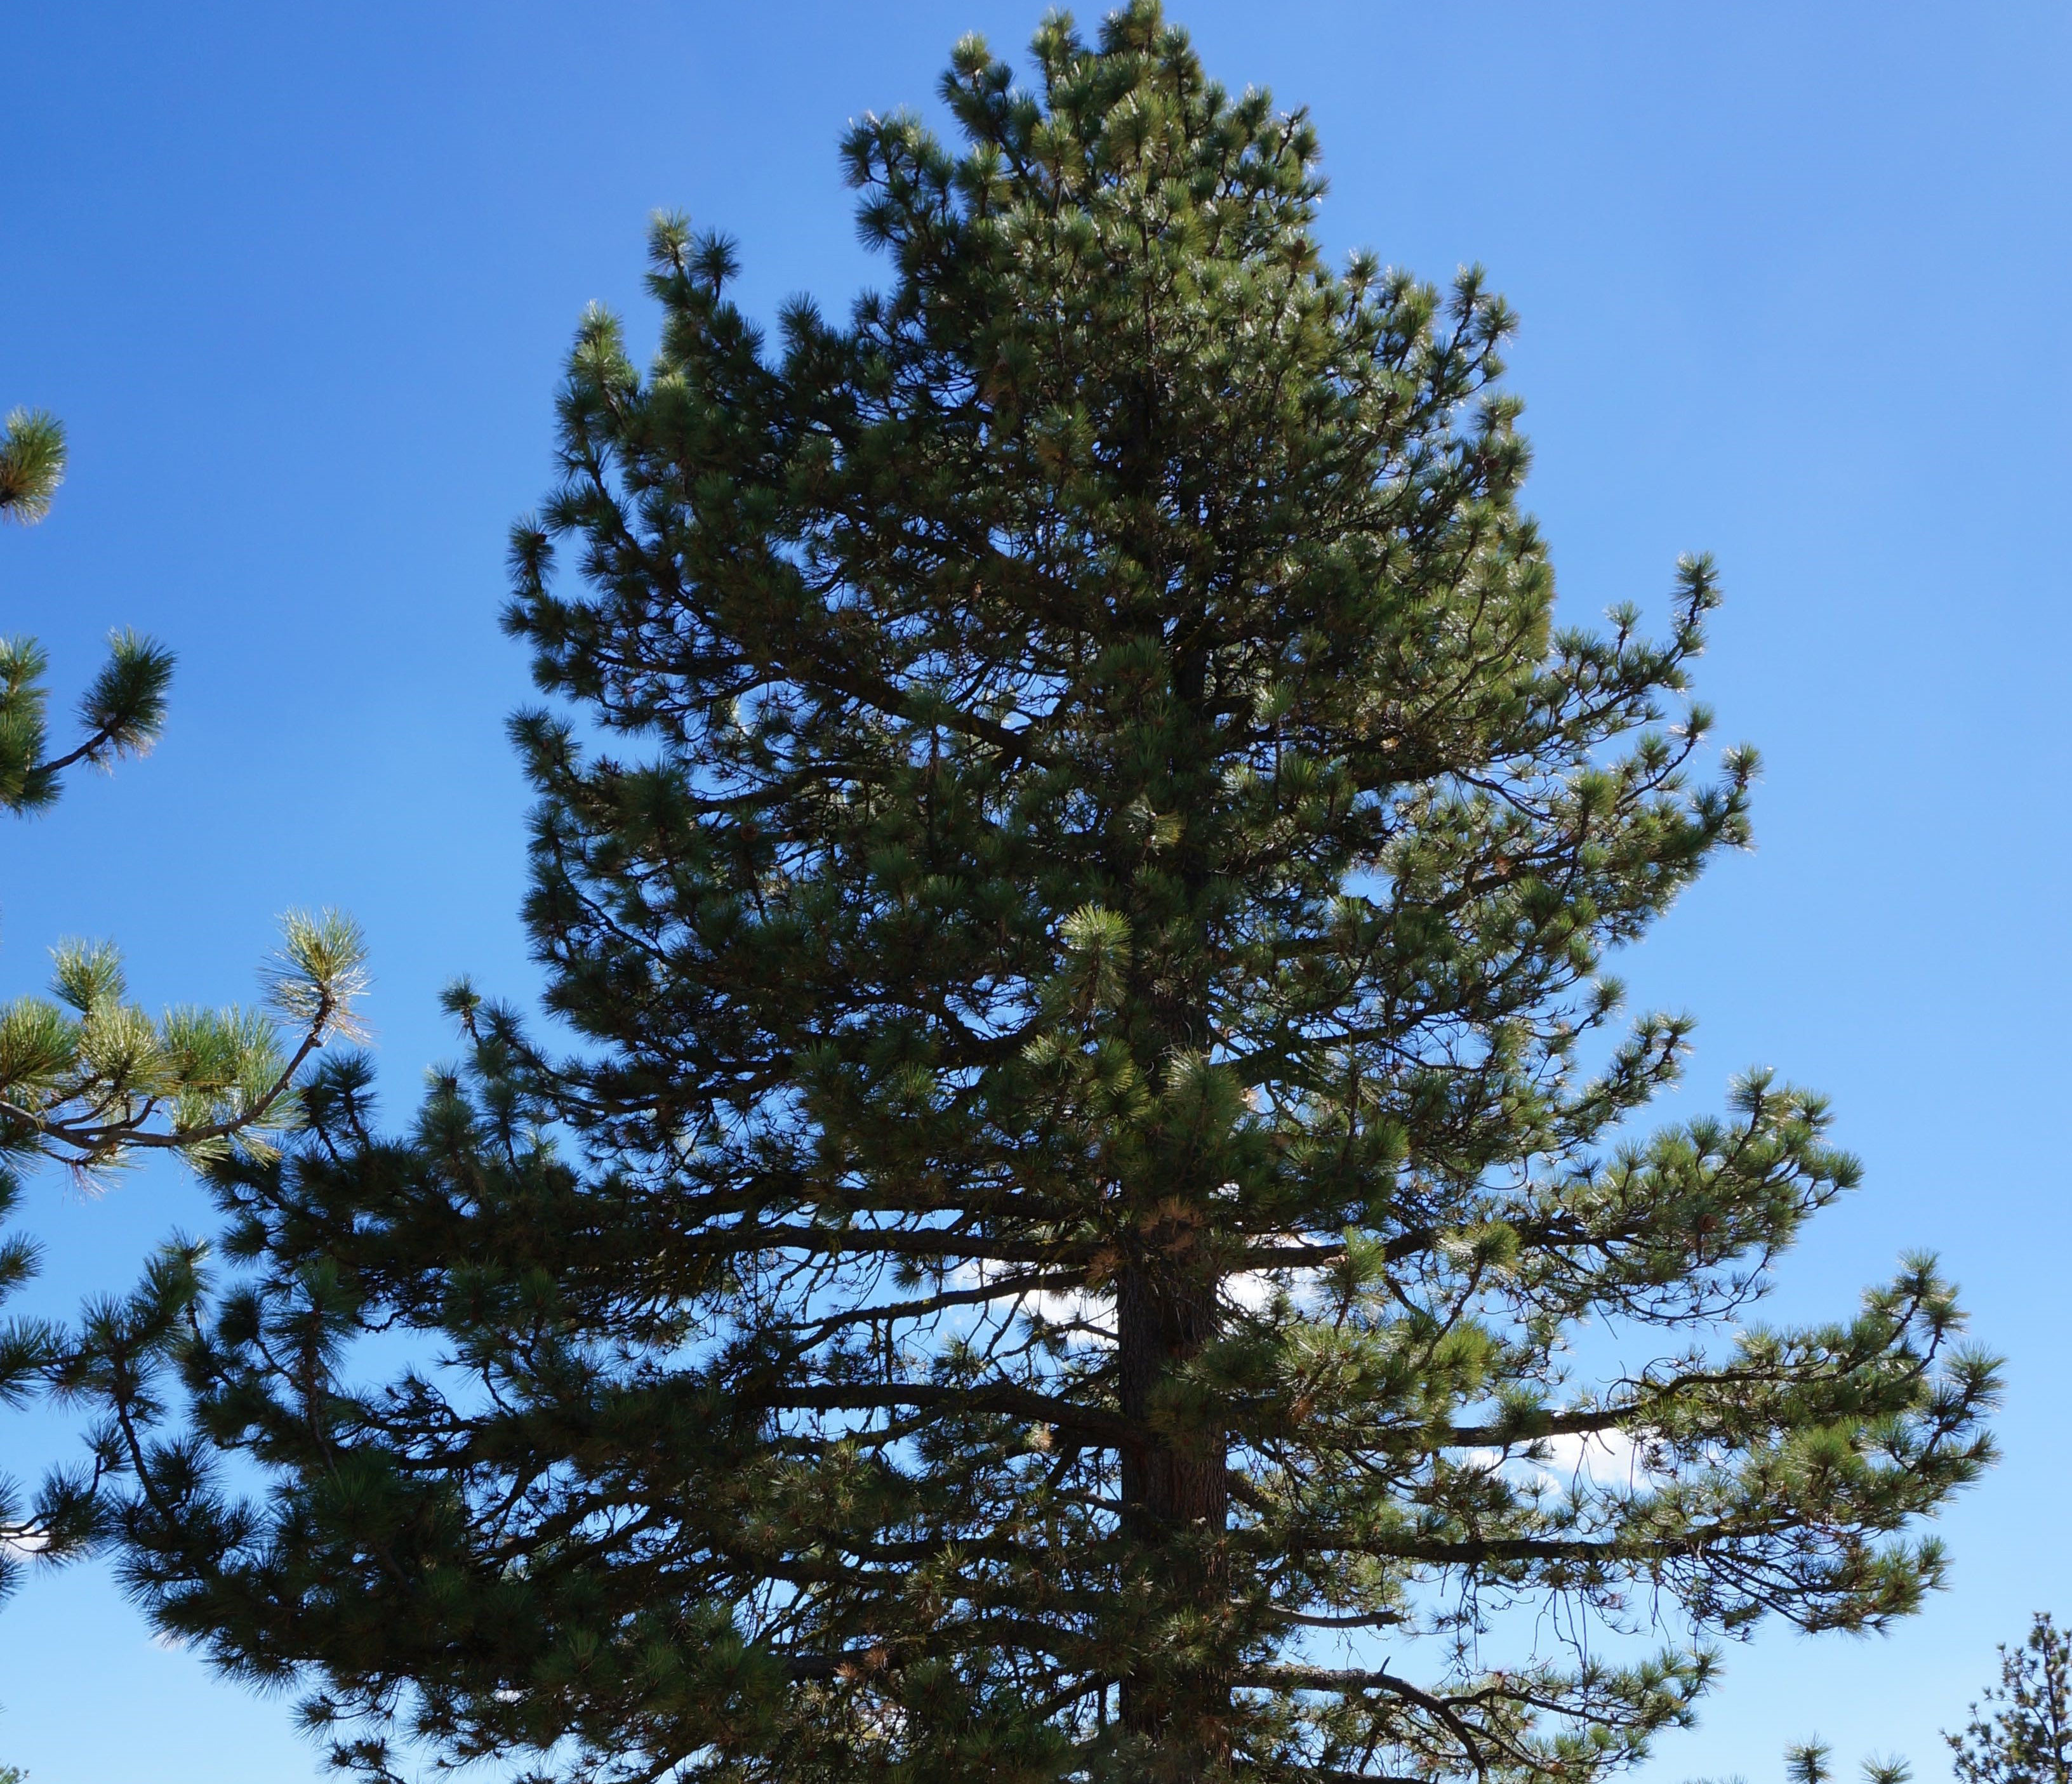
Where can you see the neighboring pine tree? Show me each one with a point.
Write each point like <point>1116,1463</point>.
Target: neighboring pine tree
<point>89,1079</point>
<point>2021,1731</point>
<point>1097,1120</point>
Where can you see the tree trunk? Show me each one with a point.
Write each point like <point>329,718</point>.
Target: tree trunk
<point>1176,1498</point>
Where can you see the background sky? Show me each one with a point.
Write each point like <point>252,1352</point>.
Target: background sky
<point>1792,281</point>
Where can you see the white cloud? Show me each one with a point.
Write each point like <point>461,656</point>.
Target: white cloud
<point>1611,1458</point>
<point>1573,1459</point>
<point>1251,1289</point>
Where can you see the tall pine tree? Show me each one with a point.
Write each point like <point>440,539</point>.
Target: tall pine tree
<point>1081,862</point>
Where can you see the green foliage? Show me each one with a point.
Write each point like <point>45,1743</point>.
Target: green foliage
<point>32,464</point>
<point>88,1079</point>
<point>2021,1731</point>
<point>124,709</point>
<point>121,713</point>
<point>91,1080</point>
<point>1808,1762</point>
<point>1081,863</point>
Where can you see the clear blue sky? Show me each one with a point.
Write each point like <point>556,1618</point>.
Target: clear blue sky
<point>1793,280</point>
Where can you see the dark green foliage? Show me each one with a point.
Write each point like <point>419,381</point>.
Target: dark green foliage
<point>1808,1762</point>
<point>28,1348</point>
<point>90,1080</point>
<point>1098,1111</point>
<point>2021,1731</point>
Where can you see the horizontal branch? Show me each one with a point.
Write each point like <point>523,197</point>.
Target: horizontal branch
<point>1110,1428</point>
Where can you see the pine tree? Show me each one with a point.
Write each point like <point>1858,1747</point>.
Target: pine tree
<point>89,1079</point>
<point>1081,863</point>
<point>2021,1731</point>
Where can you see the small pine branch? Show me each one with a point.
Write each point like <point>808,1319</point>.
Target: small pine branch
<point>32,464</point>
<point>121,713</point>
<point>89,1080</point>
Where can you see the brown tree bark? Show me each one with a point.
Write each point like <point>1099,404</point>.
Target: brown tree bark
<point>1176,1495</point>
